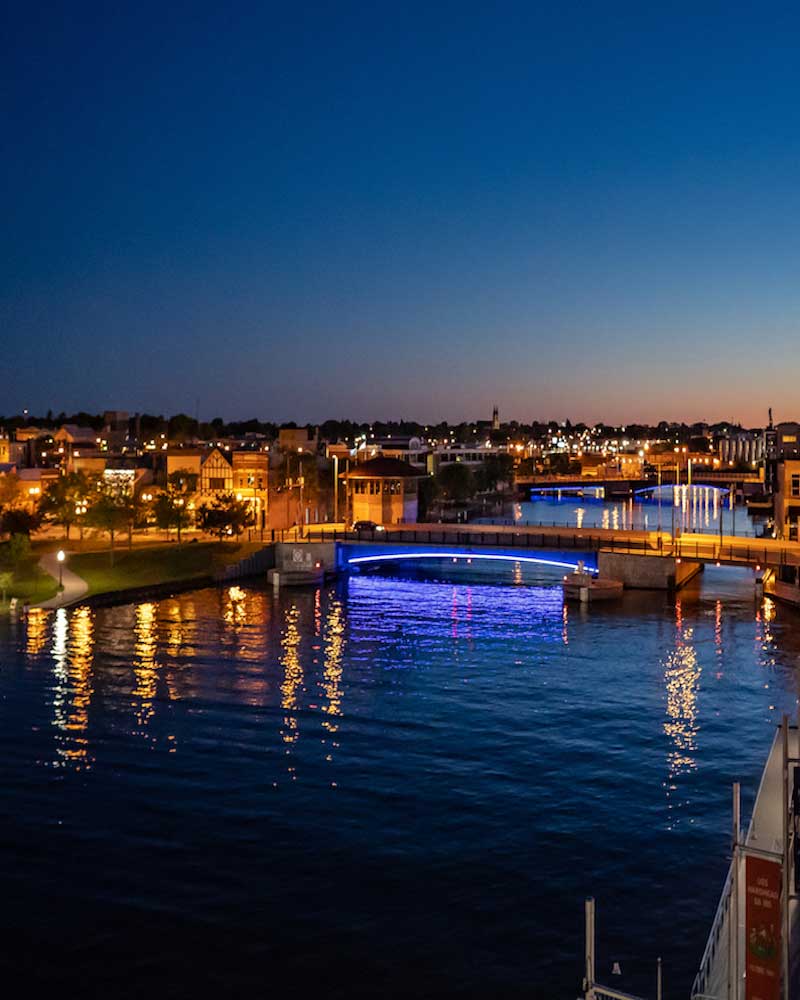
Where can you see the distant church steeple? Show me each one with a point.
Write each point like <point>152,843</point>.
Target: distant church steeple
<point>495,419</point>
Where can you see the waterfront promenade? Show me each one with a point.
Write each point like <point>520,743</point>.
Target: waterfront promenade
<point>74,586</point>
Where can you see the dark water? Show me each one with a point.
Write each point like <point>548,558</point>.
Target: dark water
<point>687,508</point>
<point>387,787</point>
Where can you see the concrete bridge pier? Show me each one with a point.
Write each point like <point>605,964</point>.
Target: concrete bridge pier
<point>647,572</point>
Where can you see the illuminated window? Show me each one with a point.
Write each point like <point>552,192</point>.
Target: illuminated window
<point>796,485</point>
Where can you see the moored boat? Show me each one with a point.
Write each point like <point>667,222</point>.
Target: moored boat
<point>586,586</point>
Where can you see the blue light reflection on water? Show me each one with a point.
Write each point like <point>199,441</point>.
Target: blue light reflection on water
<point>695,509</point>
<point>386,782</point>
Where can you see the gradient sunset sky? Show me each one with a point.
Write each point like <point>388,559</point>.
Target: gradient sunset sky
<point>382,211</point>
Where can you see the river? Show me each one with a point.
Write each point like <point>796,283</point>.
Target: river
<point>389,786</point>
<point>669,509</point>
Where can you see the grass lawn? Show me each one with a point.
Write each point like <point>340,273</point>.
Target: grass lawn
<point>30,583</point>
<point>143,567</point>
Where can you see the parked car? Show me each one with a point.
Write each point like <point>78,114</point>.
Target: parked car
<point>367,526</point>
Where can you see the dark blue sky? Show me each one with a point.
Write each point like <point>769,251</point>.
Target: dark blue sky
<point>297,212</point>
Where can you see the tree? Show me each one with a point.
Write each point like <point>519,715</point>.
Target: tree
<point>226,516</point>
<point>170,512</point>
<point>66,499</point>
<point>6,579</point>
<point>20,522</point>
<point>456,482</point>
<point>19,549</point>
<point>171,506</point>
<point>109,511</point>
<point>10,490</point>
<point>428,490</point>
<point>560,463</point>
<point>495,469</point>
<point>181,428</point>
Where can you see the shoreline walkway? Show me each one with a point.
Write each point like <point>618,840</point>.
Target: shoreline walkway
<point>75,587</point>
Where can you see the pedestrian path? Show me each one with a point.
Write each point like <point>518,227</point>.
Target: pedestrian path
<point>75,587</point>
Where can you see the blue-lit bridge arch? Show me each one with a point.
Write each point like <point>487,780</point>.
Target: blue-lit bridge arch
<point>354,555</point>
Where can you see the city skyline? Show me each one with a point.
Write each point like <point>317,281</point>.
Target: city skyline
<point>53,415</point>
<point>563,212</point>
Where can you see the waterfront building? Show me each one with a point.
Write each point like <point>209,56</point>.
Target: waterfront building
<point>185,460</point>
<point>383,490</point>
<point>73,442</point>
<point>33,484</point>
<point>250,482</point>
<point>115,433</point>
<point>216,474</point>
<point>92,462</point>
<point>300,439</point>
<point>788,439</point>
<point>787,499</point>
<point>243,473</point>
<point>473,455</point>
<point>741,446</point>
<point>30,433</point>
<point>75,436</point>
<point>405,449</point>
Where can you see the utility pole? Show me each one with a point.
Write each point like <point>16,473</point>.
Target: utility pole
<point>336,489</point>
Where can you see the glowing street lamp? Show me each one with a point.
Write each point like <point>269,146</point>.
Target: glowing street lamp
<point>61,556</point>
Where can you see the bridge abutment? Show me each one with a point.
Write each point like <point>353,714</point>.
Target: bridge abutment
<point>647,572</point>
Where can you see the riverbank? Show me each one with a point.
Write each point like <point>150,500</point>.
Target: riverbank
<point>27,582</point>
<point>153,571</point>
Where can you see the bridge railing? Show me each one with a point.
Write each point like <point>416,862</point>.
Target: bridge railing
<point>745,552</point>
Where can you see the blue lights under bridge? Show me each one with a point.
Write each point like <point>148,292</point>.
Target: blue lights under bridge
<point>353,555</point>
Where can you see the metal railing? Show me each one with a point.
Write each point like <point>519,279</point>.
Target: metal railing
<point>509,522</point>
<point>745,553</point>
<point>713,942</point>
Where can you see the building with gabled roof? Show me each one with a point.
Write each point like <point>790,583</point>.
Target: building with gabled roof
<point>383,490</point>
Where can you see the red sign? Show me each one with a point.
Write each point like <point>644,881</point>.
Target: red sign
<point>763,929</point>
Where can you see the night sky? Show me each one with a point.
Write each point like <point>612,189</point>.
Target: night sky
<point>383,211</point>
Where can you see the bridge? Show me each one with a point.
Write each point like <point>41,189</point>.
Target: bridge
<point>619,486</point>
<point>397,541</point>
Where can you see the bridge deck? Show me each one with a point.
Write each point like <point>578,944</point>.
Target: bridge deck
<point>727,549</point>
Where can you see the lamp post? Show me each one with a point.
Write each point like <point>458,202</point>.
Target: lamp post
<point>61,556</point>
<point>659,505</point>
<point>335,489</point>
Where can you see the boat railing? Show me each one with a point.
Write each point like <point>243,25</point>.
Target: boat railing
<point>712,945</point>
<point>608,993</point>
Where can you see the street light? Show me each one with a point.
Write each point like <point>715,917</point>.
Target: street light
<point>61,556</point>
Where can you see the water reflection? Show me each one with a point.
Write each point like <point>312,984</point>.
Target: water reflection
<point>35,630</point>
<point>688,508</point>
<point>144,662</point>
<point>332,668</point>
<point>718,636</point>
<point>682,680</point>
<point>234,612</point>
<point>174,615</point>
<point>293,674</point>
<point>766,646</point>
<point>72,652</point>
